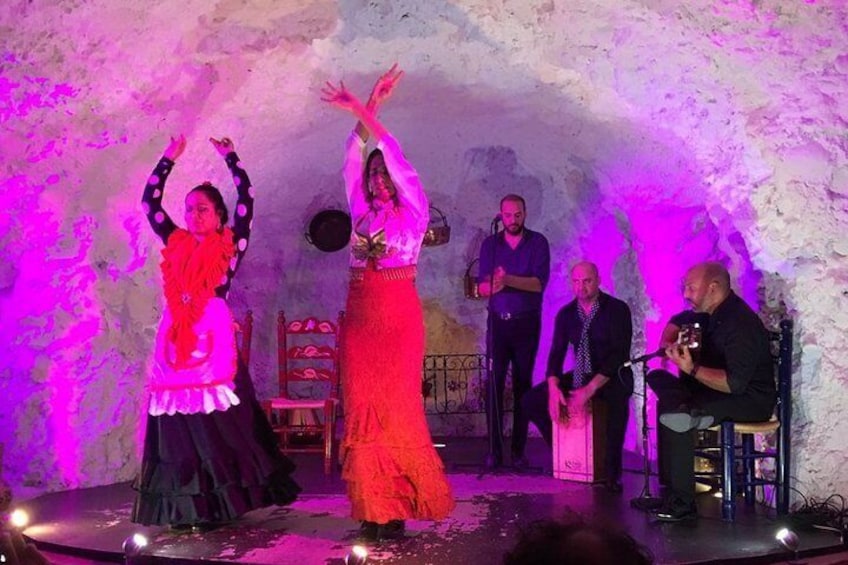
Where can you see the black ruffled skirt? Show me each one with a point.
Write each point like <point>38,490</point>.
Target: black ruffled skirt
<point>206,468</point>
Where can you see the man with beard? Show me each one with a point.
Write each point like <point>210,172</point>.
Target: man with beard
<point>514,270</point>
<point>733,378</point>
<point>599,328</point>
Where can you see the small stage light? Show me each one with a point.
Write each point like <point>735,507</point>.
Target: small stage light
<point>790,541</point>
<point>19,518</point>
<point>134,544</point>
<point>358,556</point>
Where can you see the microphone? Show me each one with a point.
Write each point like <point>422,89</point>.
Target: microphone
<point>497,219</point>
<point>648,356</point>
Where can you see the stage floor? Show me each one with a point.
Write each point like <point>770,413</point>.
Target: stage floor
<point>491,508</point>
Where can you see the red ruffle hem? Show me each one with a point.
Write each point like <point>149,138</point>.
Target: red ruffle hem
<point>390,465</point>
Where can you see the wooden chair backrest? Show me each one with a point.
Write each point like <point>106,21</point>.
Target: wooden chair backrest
<point>244,336</point>
<point>308,351</point>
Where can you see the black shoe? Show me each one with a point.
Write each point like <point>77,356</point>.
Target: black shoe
<point>369,531</point>
<point>204,527</point>
<point>677,510</point>
<point>180,528</point>
<point>493,461</point>
<point>684,421</point>
<point>393,529</point>
<point>520,463</point>
<point>613,486</point>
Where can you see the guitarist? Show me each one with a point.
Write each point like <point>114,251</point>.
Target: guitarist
<point>732,379</point>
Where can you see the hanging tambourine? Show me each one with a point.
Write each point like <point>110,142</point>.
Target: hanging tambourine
<point>438,233</point>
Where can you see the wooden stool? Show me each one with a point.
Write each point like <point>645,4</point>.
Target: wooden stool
<point>579,444</point>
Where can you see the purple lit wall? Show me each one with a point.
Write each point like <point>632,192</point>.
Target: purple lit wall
<point>645,135</point>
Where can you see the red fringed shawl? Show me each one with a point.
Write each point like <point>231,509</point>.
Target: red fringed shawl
<point>191,271</point>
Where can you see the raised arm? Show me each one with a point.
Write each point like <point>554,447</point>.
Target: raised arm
<point>341,97</point>
<point>243,213</point>
<point>353,176</point>
<point>381,92</point>
<point>410,192</point>
<point>151,200</point>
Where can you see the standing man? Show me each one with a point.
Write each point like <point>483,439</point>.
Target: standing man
<point>732,379</point>
<point>600,329</point>
<point>514,268</point>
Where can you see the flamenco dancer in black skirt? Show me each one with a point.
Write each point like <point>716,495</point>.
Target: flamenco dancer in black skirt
<point>209,453</point>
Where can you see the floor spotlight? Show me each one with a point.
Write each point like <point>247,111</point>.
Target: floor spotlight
<point>789,539</point>
<point>19,518</point>
<point>134,544</point>
<point>358,556</point>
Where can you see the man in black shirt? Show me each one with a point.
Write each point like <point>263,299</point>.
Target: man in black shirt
<point>600,329</point>
<point>732,379</point>
<point>514,270</point>
<point>679,323</point>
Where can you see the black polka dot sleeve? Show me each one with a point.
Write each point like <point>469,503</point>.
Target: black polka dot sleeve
<point>151,201</point>
<point>242,218</point>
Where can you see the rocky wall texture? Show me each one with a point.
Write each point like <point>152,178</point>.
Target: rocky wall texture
<point>645,135</point>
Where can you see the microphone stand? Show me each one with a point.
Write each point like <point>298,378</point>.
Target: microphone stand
<point>645,501</point>
<point>493,414</point>
<point>493,411</point>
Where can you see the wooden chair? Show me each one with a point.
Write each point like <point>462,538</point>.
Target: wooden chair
<point>731,454</point>
<point>244,335</point>
<point>307,352</point>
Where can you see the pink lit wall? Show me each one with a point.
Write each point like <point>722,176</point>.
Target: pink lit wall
<point>646,136</point>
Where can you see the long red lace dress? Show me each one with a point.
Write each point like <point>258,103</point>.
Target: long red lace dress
<point>389,463</point>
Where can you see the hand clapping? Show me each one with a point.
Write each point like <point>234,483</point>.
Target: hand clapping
<point>498,283</point>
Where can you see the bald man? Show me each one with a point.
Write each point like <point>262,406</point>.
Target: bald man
<point>732,379</point>
<point>599,328</point>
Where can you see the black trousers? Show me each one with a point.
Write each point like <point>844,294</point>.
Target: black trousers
<point>511,342</point>
<point>617,397</point>
<point>678,449</point>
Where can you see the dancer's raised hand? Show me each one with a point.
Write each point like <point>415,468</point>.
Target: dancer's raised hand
<point>339,96</point>
<point>224,146</point>
<point>384,86</point>
<point>175,148</point>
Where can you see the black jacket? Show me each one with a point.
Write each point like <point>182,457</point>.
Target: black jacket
<point>610,337</point>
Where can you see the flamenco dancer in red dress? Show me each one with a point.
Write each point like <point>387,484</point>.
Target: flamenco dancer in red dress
<point>393,473</point>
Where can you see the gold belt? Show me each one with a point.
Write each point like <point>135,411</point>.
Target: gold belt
<point>405,273</point>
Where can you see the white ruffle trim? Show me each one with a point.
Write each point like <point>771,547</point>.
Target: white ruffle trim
<point>193,400</point>
<point>205,384</point>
